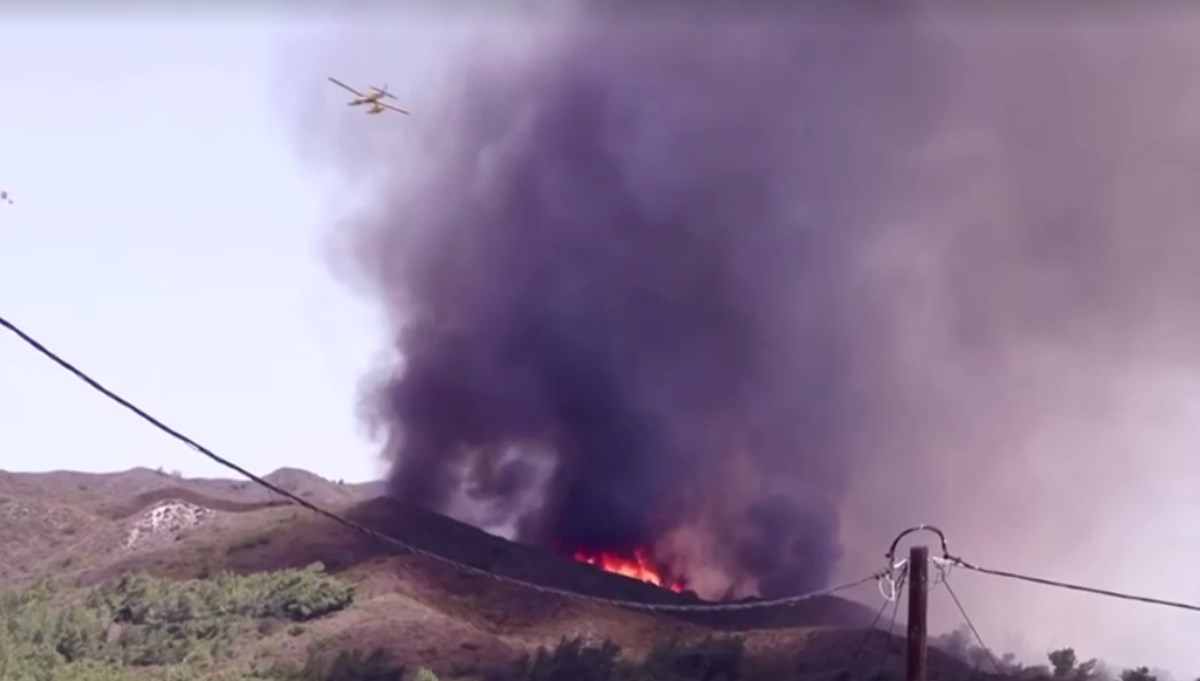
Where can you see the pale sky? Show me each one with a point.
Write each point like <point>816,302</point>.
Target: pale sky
<point>166,238</point>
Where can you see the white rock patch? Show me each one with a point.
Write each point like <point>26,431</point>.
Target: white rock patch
<point>166,519</point>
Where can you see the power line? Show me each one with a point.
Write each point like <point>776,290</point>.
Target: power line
<point>971,626</point>
<point>897,589</point>
<point>862,644</point>
<point>954,560</point>
<point>945,581</point>
<point>402,546</point>
<point>887,648</point>
<point>948,558</point>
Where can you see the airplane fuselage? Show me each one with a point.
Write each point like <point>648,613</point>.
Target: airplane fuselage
<point>369,98</point>
<point>371,95</point>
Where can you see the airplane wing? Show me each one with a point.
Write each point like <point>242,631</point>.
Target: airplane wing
<point>342,85</point>
<point>393,108</point>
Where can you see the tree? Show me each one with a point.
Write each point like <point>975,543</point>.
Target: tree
<point>1066,665</point>
<point>571,660</point>
<point>1138,674</point>
<point>1062,662</point>
<point>712,659</point>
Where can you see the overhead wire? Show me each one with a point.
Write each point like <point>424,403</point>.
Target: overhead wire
<point>955,560</point>
<point>888,575</point>
<point>862,644</point>
<point>943,568</point>
<point>947,558</point>
<point>891,634</point>
<point>403,546</point>
<point>890,596</point>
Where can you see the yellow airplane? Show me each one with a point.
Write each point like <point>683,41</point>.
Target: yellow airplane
<point>371,96</point>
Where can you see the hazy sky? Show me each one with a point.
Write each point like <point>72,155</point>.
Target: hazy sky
<point>166,238</point>
<point>170,237</point>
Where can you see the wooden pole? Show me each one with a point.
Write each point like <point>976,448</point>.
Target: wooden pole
<point>918,600</point>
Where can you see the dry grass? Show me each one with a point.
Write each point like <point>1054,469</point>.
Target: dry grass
<point>72,526</point>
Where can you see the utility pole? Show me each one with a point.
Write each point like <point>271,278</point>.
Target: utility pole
<point>918,601</point>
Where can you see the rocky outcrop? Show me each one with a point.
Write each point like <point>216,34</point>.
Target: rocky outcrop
<point>165,520</point>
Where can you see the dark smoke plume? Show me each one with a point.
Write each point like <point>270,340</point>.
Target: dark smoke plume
<point>736,284</point>
<point>637,258</point>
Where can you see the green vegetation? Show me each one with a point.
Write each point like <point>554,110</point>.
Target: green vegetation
<point>140,628</point>
<point>723,659</point>
<point>355,666</point>
<point>138,621</point>
<point>1064,664</point>
<point>297,595</point>
<point>712,659</point>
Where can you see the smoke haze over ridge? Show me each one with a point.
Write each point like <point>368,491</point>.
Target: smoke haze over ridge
<point>808,281</point>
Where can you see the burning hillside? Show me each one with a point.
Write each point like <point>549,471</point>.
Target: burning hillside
<point>664,287</point>
<point>617,295</point>
<point>701,284</point>
<point>635,566</point>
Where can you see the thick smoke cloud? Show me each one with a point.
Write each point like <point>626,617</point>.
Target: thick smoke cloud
<point>798,282</point>
<point>638,258</point>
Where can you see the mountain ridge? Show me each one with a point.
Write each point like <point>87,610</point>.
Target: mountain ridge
<point>88,528</point>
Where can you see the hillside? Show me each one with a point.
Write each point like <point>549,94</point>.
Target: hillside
<point>84,531</point>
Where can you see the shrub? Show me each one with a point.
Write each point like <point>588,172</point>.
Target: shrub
<point>423,674</point>
<point>351,666</point>
<point>249,543</point>
<point>297,595</point>
<point>571,660</point>
<point>185,626</point>
<point>711,659</point>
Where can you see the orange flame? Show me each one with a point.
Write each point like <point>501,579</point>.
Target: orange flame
<point>637,567</point>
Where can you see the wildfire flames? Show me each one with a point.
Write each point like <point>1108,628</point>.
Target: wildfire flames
<point>636,567</point>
